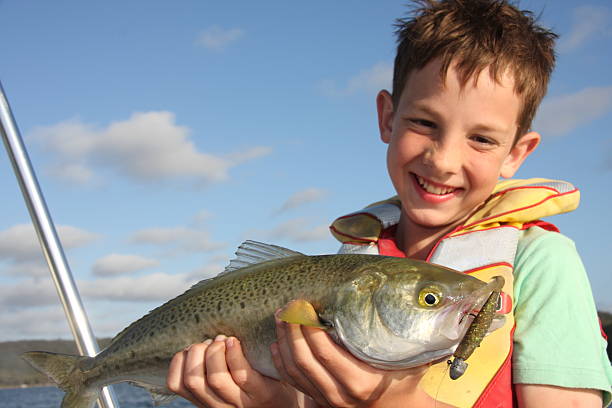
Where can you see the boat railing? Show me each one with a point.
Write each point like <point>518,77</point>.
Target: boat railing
<point>49,241</point>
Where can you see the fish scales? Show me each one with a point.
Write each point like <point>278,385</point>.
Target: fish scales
<point>375,305</point>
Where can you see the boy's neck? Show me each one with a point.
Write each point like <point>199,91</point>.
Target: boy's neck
<point>417,241</point>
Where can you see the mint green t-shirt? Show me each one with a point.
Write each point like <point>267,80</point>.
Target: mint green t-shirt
<point>557,340</point>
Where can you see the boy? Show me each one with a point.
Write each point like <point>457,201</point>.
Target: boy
<point>469,75</point>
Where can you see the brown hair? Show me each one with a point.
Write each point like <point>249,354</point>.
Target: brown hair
<point>476,34</point>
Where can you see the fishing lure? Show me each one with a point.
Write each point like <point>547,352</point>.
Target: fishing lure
<point>476,332</point>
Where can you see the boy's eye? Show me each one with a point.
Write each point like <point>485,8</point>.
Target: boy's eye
<point>483,140</point>
<point>423,123</point>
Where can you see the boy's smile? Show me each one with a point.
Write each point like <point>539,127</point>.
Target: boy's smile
<point>432,191</point>
<point>449,143</point>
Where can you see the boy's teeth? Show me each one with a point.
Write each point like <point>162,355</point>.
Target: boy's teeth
<point>433,189</point>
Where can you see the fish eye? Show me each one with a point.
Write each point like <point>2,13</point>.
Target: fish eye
<point>429,296</point>
<point>430,299</point>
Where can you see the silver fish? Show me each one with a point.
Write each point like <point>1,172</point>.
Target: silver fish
<point>392,313</point>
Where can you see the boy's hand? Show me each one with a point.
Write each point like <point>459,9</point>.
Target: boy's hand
<point>215,374</point>
<point>311,361</point>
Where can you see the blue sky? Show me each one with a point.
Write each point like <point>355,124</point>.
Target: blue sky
<point>163,136</point>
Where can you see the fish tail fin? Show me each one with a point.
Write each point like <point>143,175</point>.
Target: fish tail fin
<point>84,399</point>
<point>65,370</point>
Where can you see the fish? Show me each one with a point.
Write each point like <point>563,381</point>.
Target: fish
<point>392,313</point>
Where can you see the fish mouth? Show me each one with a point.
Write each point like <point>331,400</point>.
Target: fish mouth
<point>467,310</point>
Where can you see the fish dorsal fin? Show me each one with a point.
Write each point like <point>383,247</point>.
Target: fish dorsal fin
<point>253,252</point>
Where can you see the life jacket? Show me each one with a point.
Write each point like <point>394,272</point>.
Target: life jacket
<point>484,246</point>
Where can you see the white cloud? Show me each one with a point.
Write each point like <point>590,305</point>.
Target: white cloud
<point>34,268</point>
<point>209,270</point>
<point>589,21</point>
<point>73,237</point>
<point>302,197</point>
<point>370,80</point>
<point>19,243</point>
<point>299,230</point>
<point>562,114</point>
<point>35,323</point>
<point>148,146</point>
<point>27,293</point>
<point>75,173</point>
<point>152,287</point>
<point>201,217</point>
<point>217,38</point>
<point>250,154</point>
<point>117,264</point>
<point>180,239</point>
<point>32,308</point>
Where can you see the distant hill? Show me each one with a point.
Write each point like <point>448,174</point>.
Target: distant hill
<point>15,372</point>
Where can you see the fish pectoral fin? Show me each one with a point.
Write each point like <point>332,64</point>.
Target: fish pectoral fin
<point>161,398</point>
<point>300,312</point>
<point>160,395</point>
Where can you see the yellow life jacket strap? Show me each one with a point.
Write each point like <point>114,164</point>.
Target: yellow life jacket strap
<point>521,201</point>
<point>513,202</point>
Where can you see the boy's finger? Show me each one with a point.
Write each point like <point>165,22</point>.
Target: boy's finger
<point>249,380</point>
<point>194,376</point>
<point>174,379</point>
<point>346,369</point>
<point>289,370</point>
<point>340,364</point>
<point>218,378</point>
<point>327,389</point>
<point>349,374</point>
<point>280,367</point>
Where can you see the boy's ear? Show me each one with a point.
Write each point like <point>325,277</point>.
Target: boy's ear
<point>384,106</point>
<point>519,152</point>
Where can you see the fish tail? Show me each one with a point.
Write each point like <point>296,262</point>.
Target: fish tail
<point>83,399</point>
<point>65,370</point>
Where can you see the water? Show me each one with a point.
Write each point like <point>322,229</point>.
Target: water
<point>51,397</point>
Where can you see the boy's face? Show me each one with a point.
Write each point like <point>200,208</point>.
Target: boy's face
<point>448,145</point>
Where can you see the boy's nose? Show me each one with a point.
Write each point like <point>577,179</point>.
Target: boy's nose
<point>444,156</point>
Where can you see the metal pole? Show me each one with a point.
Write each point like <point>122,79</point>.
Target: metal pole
<point>49,241</point>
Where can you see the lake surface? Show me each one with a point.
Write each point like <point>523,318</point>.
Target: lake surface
<point>51,397</point>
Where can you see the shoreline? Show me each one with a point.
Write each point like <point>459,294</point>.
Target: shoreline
<point>22,386</point>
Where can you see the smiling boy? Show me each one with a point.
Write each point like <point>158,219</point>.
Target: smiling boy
<point>449,142</point>
<point>468,77</point>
